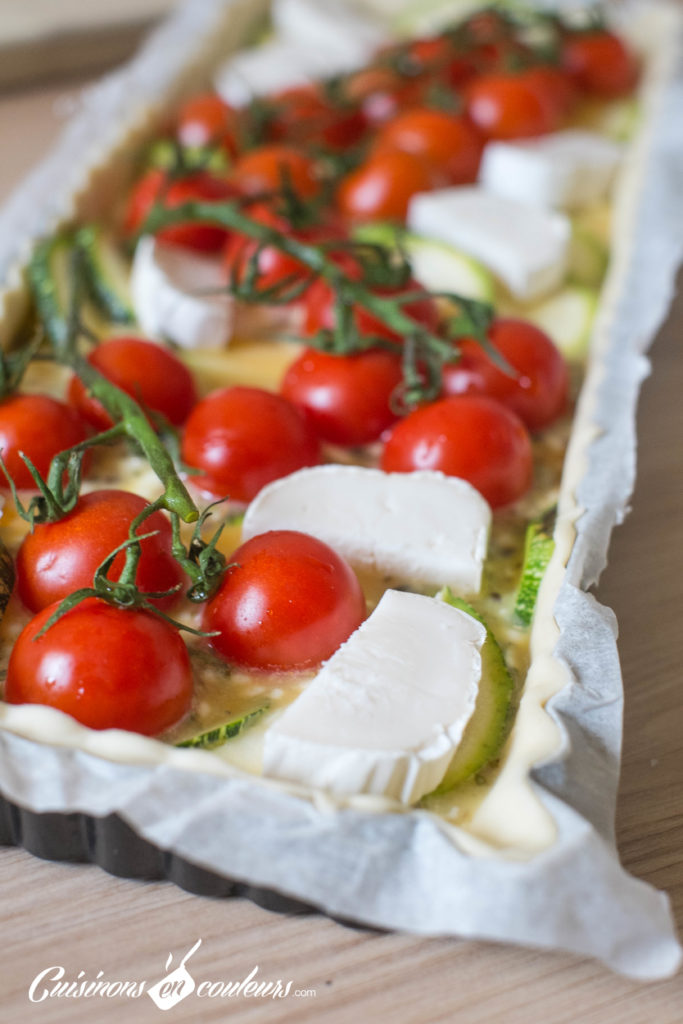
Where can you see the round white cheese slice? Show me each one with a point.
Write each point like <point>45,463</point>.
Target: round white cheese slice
<point>422,526</point>
<point>525,246</point>
<point>181,296</point>
<point>567,170</point>
<point>385,714</point>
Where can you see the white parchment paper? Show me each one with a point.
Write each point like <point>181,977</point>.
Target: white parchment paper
<point>405,871</point>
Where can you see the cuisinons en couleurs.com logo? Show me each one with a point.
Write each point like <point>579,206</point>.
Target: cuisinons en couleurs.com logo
<point>176,985</point>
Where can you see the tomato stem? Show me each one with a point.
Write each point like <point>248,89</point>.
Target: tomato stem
<point>379,269</point>
<point>134,422</point>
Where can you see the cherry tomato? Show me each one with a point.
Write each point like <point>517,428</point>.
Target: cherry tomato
<point>487,26</point>
<point>418,55</point>
<point>56,559</point>
<point>288,602</point>
<point>382,187</point>
<point>155,187</point>
<point>207,120</point>
<point>539,390</point>
<point>303,115</point>
<point>107,667</point>
<point>449,145</point>
<point>381,92</point>
<point>146,371</point>
<point>558,87</point>
<point>271,168</point>
<point>505,106</point>
<point>40,427</point>
<point>600,63</point>
<point>321,309</point>
<point>469,436</point>
<point>346,398</point>
<point>242,438</point>
<point>274,267</point>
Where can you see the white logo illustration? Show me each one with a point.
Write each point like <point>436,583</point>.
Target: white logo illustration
<point>177,985</point>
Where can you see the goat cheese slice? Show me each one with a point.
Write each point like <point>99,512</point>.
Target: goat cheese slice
<point>385,714</point>
<point>422,526</point>
<point>334,25</point>
<point>171,292</point>
<point>525,246</point>
<point>276,65</point>
<point>567,169</point>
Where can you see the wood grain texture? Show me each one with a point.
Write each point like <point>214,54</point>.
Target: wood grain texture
<point>41,40</point>
<point>82,919</point>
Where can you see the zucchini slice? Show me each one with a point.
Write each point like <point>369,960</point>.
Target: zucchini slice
<point>436,265</point>
<point>539,545</point>
<point>107,274</point>
<point>220,734</point>
<point>51,275</point>
<point>488,728</point>
<point>567,317</point>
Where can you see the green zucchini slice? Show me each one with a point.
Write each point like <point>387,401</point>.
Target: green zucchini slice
<point>539,545</point>
<point>220,734</point>
<point>488,728</point>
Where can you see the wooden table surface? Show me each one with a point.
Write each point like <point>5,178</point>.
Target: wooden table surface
<point>84,920</point>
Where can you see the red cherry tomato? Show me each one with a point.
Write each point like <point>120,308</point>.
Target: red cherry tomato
<point>271,168</point>
<point>504,106</point>
<point>469,436</point>
<point>275,268</point>
<point>40,427</point>
<point>421,54</point>
<point>56,559</point>
<point>382,187</point>
<point>448,144</point>
<point>147,372</point>
<point>107,667</point>
<point>346,398</point>
<point>242,438</point>
<point>600,63</point>
<point>288,603</point>
<point>558,87</point>
<point>381,92</point>
<point>155,188</point>
<point>207,120</point>
<point>302,115</point>
<point>539,390</point>
<point>321,311</point>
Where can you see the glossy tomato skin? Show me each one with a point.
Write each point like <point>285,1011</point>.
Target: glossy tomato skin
<point>321,312</point>
<point>287,603</point>
<point>382,187</point>
<point>504,106</point>
<point>381,92</point>
<point>145,370</point>
<point>56,559</point>
<point>40,427</point>
<point>243,438</point>
<point>347,399</point>
<point>155,187</point>
<point>206,120</point>
<point>558,87</point>
<point>107,667</point>
<point>275,267</point>
<point>269,168</point>
<point>600,63</point>
<point>450,145</point>
<point>468,436</point>
<point>538,388</point>
<point>304,115</point>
